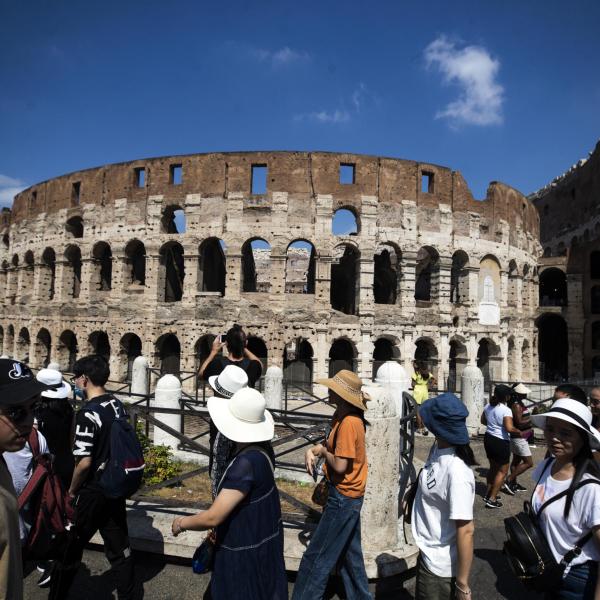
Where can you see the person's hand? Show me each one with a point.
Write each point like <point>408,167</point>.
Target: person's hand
<point>217,344</point>
<point>309,461</point>
<point>176,528</point>
<point>463,592</point>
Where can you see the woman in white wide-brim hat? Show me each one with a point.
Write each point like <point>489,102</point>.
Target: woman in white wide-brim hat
<point>572,472</point>
<point>246,513</point>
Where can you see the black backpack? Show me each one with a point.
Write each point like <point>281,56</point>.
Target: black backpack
<point>527,550</point>
<point>121,476</point>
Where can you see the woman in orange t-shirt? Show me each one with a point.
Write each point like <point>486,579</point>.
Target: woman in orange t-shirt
<point>337,537</point>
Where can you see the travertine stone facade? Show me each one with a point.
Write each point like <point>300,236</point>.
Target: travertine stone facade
<point>93,261</point>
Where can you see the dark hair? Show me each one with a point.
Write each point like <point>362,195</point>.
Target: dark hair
<point>501,393</point>
<point>584,463</point>
<point>236,341</point>
<point>573,391</point>
<point>94,367</point>
<point>465,453</point>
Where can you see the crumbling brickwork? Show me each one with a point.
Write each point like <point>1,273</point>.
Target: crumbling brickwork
<point>93,261</point>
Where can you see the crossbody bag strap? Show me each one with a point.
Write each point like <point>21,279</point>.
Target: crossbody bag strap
<point>248,448</point>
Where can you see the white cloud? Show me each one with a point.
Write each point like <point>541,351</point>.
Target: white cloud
<point>474,70</point>
<point>9,187</point>
<point>325,116</point>
<point>280,58</point>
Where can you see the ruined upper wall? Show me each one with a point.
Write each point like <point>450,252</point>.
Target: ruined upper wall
<point>302,175</point>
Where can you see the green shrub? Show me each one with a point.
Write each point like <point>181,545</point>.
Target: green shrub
<point>160,465</point>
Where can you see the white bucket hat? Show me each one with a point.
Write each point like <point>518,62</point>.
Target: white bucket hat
<point>243,417</point>
<point>229,381</point>
<point>521,389</point>
<point>574,412</point>
<point>55,379</point>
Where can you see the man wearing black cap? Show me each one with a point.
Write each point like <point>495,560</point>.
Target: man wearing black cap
<point>19,391</point>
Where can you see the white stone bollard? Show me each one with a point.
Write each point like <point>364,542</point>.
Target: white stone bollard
<point>274,388</point>
<point>167,395</point>
<point>393,376</point>
<point>54,366</point>
<point>139,376</point>
<point>379,516</point>
<point>472,396</point>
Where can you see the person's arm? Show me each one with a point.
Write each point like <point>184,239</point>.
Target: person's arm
<point>216,514</point>
<point>464,547</point>
<point>336,463</point>
<point>483,419</point>
<point>250,356</point>
<point>80,474</point>
<point>518,419</point>
<point>214,350</point>
<point>508,424</point>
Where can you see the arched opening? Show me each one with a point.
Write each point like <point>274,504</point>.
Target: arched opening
<point>256,266</point>
<point>553,348</point>
<point>489,291</point>
<point>595,264</point>
<point>427,274</point>
<point>202,349</point>
<point>23,342</point>
<point>483,362</point>
<point>27,275</point>
<point>67,350</point>
<point>298,363</point>
<point>257,346</point>
<point>173,220</point>
<point>169,354</point>
<point>135,260</point>
<point>99,344</point>
<point>48,274</point>
<point>344,222</point>
<point>341,356</point>
<point>130,347</point>
<point>345,277</point>
<point>300,267</point>
<point>596,335</point>
<point>459,278</point>
<point>457,361</point>
<point>102,267</point>
<point>595,299</point>
<point>553,288</point>
<point>211,266</point>
<point>386,269</point>
<point>73,271</point>
<point>513,277</point>
<point>172,272</point>
<point>426,352</point>
<point>43,345</point>
<point>13,279</point>
<point>74,227</point>
<point>384,351</point>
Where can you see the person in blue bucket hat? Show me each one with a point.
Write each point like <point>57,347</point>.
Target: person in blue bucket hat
<point>442,513</point>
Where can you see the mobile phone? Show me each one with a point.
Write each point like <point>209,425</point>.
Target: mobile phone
<point>318,468</point>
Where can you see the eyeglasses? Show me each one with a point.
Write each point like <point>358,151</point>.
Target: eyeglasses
<point>595,401</point>
<point>74,379</point>
<point>18,414</point>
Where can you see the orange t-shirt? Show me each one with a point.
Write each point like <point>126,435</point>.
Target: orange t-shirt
<point>350,444</point>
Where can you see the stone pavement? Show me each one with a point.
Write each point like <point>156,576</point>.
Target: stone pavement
<point>165,580</point>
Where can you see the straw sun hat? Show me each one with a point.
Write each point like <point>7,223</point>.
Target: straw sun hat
<point>347,385</point>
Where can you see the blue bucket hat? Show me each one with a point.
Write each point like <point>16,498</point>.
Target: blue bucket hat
<point>445,417</point>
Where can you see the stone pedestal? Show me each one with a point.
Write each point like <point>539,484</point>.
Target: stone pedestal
<point>393,376</point>
<point>472,396</point>
<point>274,388</point>
<point>139,376</point>
<point>167,395</point>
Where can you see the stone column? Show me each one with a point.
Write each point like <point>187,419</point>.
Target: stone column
<point>379,515</point>
<point>407,292</point>
<point>322,353</point>
<point>444,283</point>
<point>167,394</point>
<point>408,351</point>
<point>503,289</point>
<point>89,286</point>
<point>190,281</point>
<point>274,388</point>
<point>153,281</point>
<point>443,353</point>
<point>393,376</point>
<point>365,304</point>
<point>277,276</point>
<point>323,281</point>
<point>139,376</point>
<point>233,277</point>
<point>365,350</point>
<point>472,396</point>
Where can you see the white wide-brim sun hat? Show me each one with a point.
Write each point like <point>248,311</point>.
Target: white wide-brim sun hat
<point>243,417</point>
<point>574,412</point>
<point>60,388</point>
<point>229,381</point>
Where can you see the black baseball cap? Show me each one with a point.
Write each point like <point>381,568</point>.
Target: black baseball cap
<point>17,383</point>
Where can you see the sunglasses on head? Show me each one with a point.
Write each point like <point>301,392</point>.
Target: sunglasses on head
<point>74,379</point>
<point>18,414</point>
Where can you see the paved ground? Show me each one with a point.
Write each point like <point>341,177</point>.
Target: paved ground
<point>491,579</point>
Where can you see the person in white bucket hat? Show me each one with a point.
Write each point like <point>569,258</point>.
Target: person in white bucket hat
<point>573,519</point>
<point>248,563</point>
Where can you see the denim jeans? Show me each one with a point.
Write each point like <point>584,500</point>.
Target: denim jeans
<point>579,584</point>
<point>335,541</point>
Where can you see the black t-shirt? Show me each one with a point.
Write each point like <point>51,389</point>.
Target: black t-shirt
<point>92,430</point>
<point>253,368</point>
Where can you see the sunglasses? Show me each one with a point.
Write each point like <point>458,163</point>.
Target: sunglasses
<point>74,379</point>
<point>594,401</point>
<point>18,414</point>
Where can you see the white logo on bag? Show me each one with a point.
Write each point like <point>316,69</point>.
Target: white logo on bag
<point>16,372</point>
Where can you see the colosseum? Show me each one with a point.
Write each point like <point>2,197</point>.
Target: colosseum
<point>156,256</point>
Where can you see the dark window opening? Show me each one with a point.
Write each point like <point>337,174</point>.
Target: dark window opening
<point>135,258</point>
<point>426,274</point>
<point>130,349</point>
<point>211,267</point>
<point>553,288</point>
<point>596,335</point>
<point>202,351</point>
<point>172,263</point>
<point>140,177</point>
<point>300,268</point>
<point>176,174</point>
<point>427,182</point>
<point>173,220</point>
<point>382,353</point>
<point>99,344</point>
<point>74,227</point>
<point>256,262</point>
<point>341,356</point>
<point>345,282</point>
<point>595,265</point>
<point>459,278</point>
<point>23,343</point>
<point>73,275</point>
<point>43,345</point>
<point>5,240</point>
<point>67,350</point>
<point>595,299</point>
<point>347,173</point>
<point>546,210</point>
<point>553,348</point>
<point>47,279</point>
<point>103,264</point>
<point>76,192</point>
<point>169,354</point>
<point>298,363</point>
<point>258,180</point>
<point>259,349</point>
<point>385,277</point>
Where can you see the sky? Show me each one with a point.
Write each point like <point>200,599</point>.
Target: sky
<point>498,90</point>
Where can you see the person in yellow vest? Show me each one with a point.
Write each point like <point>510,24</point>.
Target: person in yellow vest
<point>422,379</point>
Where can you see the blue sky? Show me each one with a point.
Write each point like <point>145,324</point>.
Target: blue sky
<point>505,91</point>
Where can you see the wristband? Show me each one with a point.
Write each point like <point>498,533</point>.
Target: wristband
<point>465,592</point>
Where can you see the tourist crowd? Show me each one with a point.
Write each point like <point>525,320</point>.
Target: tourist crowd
<point>96,464</point>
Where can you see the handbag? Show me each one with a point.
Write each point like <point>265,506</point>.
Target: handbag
<point>527,549</point>
<point>320,494</point>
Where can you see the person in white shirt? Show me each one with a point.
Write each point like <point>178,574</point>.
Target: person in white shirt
<point>570,438</point>
<point>442,513</point>
<point>498,419</point>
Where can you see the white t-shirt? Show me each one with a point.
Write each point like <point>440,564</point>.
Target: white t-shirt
<point>561,534</point>
<point>495,417</point>
<point>446,493</point>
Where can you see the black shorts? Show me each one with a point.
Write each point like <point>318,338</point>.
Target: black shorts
<point>496,449</point>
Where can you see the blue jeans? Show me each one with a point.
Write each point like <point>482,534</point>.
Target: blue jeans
<point>579,584</point>
<point>335,541</point>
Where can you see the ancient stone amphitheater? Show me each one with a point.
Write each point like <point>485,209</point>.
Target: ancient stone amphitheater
<point>156,256</point>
